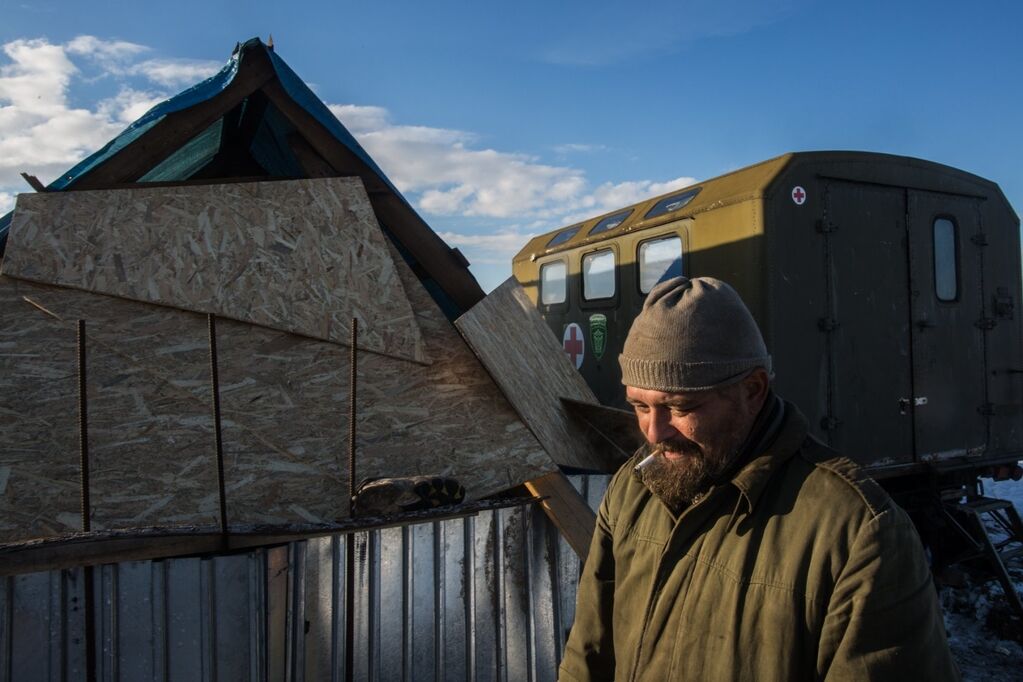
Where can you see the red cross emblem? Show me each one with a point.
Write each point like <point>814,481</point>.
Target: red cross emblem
<point>574,345</point>
<point>798,195</point>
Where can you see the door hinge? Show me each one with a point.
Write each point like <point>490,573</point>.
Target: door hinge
<point>1004,305</point>
<point>825,226</point>
<point>827,324</point>
<point>985,323</point>
<point>980,239</point>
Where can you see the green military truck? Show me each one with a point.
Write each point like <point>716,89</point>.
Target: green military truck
<point>885,286</point>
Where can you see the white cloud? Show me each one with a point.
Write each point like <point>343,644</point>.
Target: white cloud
<point>128,105</point>
<point>505,243</point>
<point>42,133</point>
<point>39,131</point>
<point>577,148</point>
<point>104,50</point>
<point>175,73</point>
<point>450,177</point>
<point>6,202</point>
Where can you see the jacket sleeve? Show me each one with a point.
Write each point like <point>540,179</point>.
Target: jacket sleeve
<point>883,621</point>
<point>589,653</point>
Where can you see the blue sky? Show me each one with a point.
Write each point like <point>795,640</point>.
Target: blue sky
<point>502,121</point>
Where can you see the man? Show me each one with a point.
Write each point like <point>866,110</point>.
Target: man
<point>741,548</point>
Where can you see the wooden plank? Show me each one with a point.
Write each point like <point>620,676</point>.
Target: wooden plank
<point>115,546</point>
<point>304,256</point>
<point>177,128</point>
<point>516,346</point>
<point>567,509</point>
<point>615,431</point>
<point>33,182</point>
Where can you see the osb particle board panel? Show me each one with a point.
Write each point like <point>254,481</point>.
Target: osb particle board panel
<point>304,256</point>
<point>151,444</point>
<point>38,422</point>
<point>526,360</point>
<point>447,418</point>
<point>284,407</point>
<point>286,420</point>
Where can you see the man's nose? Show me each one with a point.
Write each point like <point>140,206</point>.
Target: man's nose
<point>658,426</point>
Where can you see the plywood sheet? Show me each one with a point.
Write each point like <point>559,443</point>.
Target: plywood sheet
<point>38,427</point>
<point>284,415</point>
<point>304,256</point>
<point>526,360</point>
<point>152,457</point>
<point>286,420</point>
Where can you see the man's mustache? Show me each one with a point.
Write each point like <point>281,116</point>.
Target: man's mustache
<point>679,445</point>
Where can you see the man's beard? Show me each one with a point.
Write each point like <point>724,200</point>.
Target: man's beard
<point>680,482</point>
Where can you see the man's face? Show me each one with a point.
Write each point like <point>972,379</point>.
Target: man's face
<point>695,436</point>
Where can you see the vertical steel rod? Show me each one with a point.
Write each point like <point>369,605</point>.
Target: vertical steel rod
<point>351,417</point>
<point>350,538</point>
<point>217,437</point>
<point>83,452</point>
<point>83,430</point>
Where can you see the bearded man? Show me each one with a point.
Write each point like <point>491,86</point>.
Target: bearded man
<point>735,546</point>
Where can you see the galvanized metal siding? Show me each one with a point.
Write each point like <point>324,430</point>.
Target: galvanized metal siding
<point>486,597</point>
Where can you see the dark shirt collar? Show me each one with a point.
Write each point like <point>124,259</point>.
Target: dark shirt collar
<point>775,437</point>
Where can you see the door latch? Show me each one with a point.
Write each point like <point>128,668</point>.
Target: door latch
<point>904,404</point>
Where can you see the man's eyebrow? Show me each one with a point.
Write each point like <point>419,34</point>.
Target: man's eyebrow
<point>682,403</point>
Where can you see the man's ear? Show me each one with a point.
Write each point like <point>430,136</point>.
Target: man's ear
<point>756,387</point>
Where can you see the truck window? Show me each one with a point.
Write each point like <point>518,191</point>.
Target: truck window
<point>599,275</point>
<point>553,282</point>
<point>563,236</point>
<point>610,222</point>
<point>659,259</point>
<point>946,286</point>
<point>672,203</point>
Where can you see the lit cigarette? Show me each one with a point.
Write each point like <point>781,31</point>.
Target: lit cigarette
<point>647,461</point>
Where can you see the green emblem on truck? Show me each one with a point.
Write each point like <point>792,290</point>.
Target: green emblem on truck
<point>598,334</point>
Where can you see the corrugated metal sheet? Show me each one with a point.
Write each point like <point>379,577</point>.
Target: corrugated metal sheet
<point>486,597</point>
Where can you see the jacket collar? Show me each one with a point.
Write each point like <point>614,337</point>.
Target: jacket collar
<point>779,439</point>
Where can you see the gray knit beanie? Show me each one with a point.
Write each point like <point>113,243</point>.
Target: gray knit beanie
<point>692,335</point>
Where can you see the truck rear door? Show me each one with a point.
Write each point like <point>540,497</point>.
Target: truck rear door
<point>948,325</point>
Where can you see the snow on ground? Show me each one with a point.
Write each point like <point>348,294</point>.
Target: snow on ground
<point>985,635</point>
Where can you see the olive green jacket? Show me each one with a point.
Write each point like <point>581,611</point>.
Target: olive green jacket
<point>800,567</point>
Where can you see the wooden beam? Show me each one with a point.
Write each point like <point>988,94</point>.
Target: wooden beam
<point>314,165</point>
<point>567,509</point>
<point>113,546</point>
<point>177,128</point>
<point>33,182</point>
<point>343,159</point>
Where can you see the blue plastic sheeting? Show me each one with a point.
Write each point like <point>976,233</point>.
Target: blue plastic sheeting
<point>200,92</point>
<point>193,155</point>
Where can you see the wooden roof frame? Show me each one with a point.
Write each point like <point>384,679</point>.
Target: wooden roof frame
<point>319,152</point>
